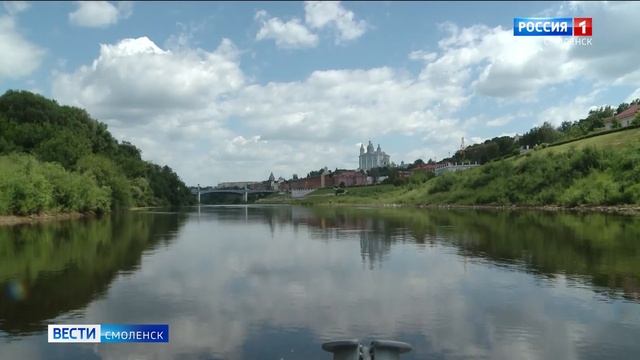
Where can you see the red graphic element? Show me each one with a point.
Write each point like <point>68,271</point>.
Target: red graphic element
<point>582,26</point>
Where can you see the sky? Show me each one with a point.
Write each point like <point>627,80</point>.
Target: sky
<point>232,91</point>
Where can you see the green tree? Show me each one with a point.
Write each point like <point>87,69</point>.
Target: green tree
<point>31,123</point>
<point>64,147</point>
<point>636,120</point>
<point>107,174</point>
<point>622,107</point>
<point>538,135</point>
<point>615,124</point>
<point>29,186</point>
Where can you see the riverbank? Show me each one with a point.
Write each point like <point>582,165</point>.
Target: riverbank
<point>351,202</point>
<point>621,209</point>
<point>9,220</point>
<point>595,174</point>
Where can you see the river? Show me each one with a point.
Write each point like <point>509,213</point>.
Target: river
<point>274,282</point>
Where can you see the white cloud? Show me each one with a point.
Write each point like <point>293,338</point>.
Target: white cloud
<point>500,121</point>
<point>195,110</point>
<point>575,110</point>
<point>422,55</point>
<point>99,14</point>
<point>135,77</point>
<point>500,65</point>
<point>321,14</point>
<point>187,36</point>
<point>19,56</point>
<point>318,15</point>
<point>614,54</point>
<point>16,7</point>
<point>290,34</point>
<point>634,95</point>
<point>331,103</point>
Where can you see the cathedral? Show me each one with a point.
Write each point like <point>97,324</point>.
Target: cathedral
<point>372,158</point>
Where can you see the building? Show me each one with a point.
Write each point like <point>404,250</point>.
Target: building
<point>348,178</point>
<point>453,167</point>
<point>425,167</point>
<point>625,118</point>
<point>273,183</point>
<point>338,178</point>
<point>312,182</point>
<point>372,158</point>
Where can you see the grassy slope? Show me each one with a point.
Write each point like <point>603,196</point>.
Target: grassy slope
<point>614,140</point>
<point>569,174</point>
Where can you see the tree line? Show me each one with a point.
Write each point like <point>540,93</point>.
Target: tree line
<point>57,158</point>
<point>503,146</point>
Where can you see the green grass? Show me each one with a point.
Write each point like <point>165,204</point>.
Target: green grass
<point>612,140</point>
<point>356,191</point>
<point>322,192</point>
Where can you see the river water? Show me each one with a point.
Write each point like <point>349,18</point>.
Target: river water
<point>274,282</point>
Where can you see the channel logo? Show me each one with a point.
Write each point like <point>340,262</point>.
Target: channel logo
<point>109,333</point>
<point>578,26</point>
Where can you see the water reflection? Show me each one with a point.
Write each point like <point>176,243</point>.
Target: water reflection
<point>274,282</point>
<point>602,249</point>
<point>50,269</point>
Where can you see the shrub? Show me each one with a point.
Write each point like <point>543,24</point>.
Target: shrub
<point>28,186</point>
<point>107,174</point>
<point>586,159</point>
<point>595,189</point>
<point>442,183</point>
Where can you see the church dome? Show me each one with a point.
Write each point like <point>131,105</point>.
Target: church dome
<point>370,147</point>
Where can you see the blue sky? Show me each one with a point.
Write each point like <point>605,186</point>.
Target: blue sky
<point>233,91</point>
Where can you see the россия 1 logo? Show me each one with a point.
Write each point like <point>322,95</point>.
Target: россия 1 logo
<point>578,26</point>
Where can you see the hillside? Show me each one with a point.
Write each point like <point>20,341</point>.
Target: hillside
<point>57,158</point>
<point>597,171</point>
<point>618,139</point>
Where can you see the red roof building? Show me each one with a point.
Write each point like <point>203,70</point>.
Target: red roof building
<point>625,118</point>
<point>629,113</point>
<point>424,167</point>
<point>349,178</point>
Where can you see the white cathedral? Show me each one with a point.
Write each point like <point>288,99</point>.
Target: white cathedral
<point>372,158</point>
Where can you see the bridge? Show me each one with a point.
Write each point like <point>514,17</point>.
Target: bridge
<point>244,192</point>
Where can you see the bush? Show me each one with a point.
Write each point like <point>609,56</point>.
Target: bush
<point>399,181</point>
<point>107,174</point>
<point>442,183</point>
<point>587,176</point>
<point>28,186</point>
<point>595,189</point>
<point>587,159</point>
<point>631,194</point>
